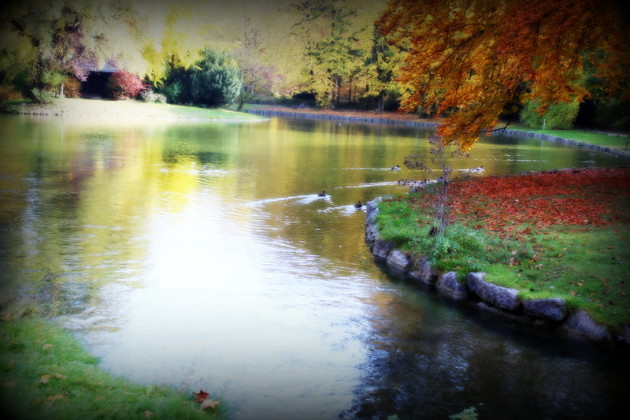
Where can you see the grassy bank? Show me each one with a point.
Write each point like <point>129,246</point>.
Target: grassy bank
<point>46,374</point>
<point>613,140</point>
<point>556,234</point>
<point>97,108</point>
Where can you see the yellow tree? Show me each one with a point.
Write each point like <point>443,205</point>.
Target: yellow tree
<point>469,58</point>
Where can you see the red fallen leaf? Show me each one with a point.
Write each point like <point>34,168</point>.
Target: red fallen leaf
<point>200,396</point>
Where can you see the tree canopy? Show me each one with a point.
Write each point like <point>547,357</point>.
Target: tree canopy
<point>468,59</point>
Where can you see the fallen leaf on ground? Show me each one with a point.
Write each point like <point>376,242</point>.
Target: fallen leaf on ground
<point>200,396</point>
<point>209,403</point>
<point>56,397</point>
<point>148,414</point>
<point>44,379</point>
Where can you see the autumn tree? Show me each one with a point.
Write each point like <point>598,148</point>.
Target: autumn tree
<point>124,85</point>
<point>332,51</point>
<point>258,77</point>
<point>469,58</point>
<point>51,41</point>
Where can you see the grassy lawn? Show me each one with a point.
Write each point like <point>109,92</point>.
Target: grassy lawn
<point>613,140</point>
<point>46,374</point>
<point>557,234</point>
<point>97,108</point>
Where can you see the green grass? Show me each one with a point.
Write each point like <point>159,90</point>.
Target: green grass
<point>588,266</point>
<point>97,108</point>
<point>46,374</point>
<point>461,249</point>
<point>592,137</point>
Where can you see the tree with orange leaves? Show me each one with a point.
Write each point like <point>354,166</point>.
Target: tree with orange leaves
<point>468,59</point>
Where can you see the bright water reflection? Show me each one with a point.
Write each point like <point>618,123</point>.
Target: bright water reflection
<point>200,256</point>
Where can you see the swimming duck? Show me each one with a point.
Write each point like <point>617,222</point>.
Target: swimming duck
<point>396,168</point>
<point>322,194</point>
<point>358,205</point>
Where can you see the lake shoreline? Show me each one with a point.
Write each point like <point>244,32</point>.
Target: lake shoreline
<point>549,314</point>
<point>411,120</point>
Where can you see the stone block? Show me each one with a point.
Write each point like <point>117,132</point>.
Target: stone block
<point>582,323</point>
<point>554,309</point>
<point>382,249</point>
<point>398,261</point>
<point>448,286</point>
<point>422,272</point>
<point>502,297</point>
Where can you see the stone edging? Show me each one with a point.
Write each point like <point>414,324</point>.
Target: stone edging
<point>426,124</point>
<point>548,313</point>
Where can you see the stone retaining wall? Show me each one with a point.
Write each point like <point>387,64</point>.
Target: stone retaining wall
<point>426,124</point>
<point>548,313</point>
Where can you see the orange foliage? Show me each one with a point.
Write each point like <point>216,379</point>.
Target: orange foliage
<point>469,58</point>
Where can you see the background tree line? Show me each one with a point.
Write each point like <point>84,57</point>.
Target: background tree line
<point>432,57</point>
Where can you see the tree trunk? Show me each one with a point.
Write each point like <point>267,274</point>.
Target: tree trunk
<point>380,104</point>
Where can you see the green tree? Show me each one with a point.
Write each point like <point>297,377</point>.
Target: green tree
<point>557,116</point>
<point>382,65</point>
<point>332,50</point>
<point>172,36</point>
<point>215,80</point>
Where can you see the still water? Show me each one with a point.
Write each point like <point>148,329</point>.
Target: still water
<point>199,255</point>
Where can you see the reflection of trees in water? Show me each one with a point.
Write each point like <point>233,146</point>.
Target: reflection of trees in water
<point>418,368</point>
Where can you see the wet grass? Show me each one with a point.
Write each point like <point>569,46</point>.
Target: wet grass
<point>46,374</point>
<point>584,259</point>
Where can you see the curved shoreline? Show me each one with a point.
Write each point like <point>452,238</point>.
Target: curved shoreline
<point>432,124</point>
<point>549,314</point>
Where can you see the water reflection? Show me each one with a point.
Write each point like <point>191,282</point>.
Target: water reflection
<point>199,255</point>
<point>420,366</point>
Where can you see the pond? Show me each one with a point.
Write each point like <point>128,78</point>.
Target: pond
<point>199,255</point>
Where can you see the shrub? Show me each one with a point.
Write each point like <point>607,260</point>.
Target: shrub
<point>71,88</point>
<point>43,96</point>
<point>9,94</point>
<point>558,116</point>
<point>173,90</point>
<point>150,96</point>
<point>214,81</point>
<point>124,85</point>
